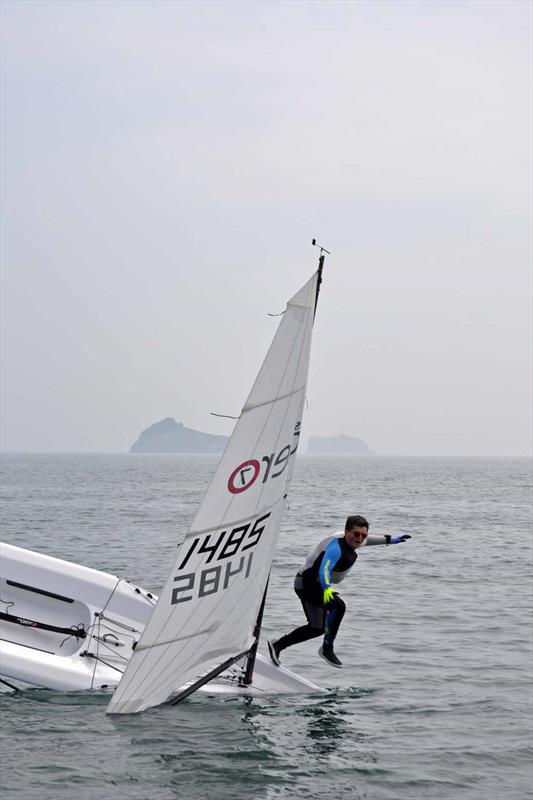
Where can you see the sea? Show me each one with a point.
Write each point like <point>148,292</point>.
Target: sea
<point>435,699</point>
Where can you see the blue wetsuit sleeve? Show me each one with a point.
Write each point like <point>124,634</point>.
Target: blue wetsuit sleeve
<point>329,559</point>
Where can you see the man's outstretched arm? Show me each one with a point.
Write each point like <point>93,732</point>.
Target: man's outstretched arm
<point>387,539</point>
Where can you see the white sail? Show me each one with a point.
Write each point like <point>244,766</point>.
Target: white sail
<point>205,616</point>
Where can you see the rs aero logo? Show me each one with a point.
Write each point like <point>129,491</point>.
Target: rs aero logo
<point>275,464</point>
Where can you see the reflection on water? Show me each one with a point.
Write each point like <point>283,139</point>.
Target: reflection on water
<point>327,729</point>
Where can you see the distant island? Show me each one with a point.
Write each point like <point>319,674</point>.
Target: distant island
<point>338,445</point>
<point>169,436</point>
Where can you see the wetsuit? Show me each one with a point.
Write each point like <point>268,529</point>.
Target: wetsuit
<point>329,563</point>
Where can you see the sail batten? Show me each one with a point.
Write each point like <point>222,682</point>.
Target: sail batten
<point>231,522</point>
<point>272,400</point>
<point>208,610</point>
<point>210,629</point>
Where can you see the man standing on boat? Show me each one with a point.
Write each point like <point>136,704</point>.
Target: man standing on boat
<point>328,564</point>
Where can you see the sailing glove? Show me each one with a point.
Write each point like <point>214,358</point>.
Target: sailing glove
<point>329,595</point>
<point>396,539</point>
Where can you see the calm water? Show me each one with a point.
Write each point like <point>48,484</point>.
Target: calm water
<point>435,700</point>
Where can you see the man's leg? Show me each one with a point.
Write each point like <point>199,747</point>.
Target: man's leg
<point>315,627</point>
<point>334,615</point>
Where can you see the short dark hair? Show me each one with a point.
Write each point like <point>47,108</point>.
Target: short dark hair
<point>357,521</point>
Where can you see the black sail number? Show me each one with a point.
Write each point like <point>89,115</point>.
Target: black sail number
<point>220,547</point>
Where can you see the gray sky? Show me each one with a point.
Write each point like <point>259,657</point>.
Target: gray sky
<point>166,165</point>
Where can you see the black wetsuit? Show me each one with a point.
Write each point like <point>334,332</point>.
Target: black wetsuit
<point>328,563</point>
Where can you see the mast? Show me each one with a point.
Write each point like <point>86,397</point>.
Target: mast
<point>252,653</point>
<point>320,267</point>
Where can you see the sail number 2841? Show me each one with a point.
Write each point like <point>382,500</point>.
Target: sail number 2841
<point>229,552</point>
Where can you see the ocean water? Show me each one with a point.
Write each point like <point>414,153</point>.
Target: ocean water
<point>435,699</point>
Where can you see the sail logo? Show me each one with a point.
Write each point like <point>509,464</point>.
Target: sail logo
<point>246,474</point>
<point>243,476</point>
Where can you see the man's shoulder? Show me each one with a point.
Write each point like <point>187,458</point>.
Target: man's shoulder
<point>331,539</point>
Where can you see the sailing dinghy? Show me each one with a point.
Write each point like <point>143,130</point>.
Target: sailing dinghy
<point>66,627</point>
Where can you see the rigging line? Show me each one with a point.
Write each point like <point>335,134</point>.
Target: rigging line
<point>97,639</point>
<point>108,631</point>
<point>116,622</point>
<point>112,632</point>
<point>103,644</point>
<point>99,658</point>
<point>114,651</point>
<point>224,416</point>
<point>74,629</point>
<point>115,587</point>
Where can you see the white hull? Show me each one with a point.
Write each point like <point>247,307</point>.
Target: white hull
<point>70,628</point>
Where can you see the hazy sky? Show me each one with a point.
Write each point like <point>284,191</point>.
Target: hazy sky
<point>165,166</point>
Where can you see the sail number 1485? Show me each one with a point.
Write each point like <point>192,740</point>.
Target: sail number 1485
<point>221,547</point>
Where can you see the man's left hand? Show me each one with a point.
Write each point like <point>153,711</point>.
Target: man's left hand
<point>397,539</point>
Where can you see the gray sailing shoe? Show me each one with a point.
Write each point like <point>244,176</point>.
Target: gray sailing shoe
<point>328,655</point>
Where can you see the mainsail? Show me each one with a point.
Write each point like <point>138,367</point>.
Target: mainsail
<point>206,615</point>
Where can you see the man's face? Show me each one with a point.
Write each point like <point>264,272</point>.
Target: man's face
<point>356,536</point>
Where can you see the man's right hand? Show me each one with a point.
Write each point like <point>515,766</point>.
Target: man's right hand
<point>329,595</point>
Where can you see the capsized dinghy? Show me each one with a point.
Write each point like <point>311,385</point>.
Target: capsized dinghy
<point>71,628</point>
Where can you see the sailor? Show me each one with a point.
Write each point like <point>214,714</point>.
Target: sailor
<point>328,564</point>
